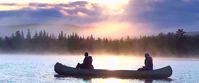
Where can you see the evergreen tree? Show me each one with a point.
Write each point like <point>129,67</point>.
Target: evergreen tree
<point>28,36</point>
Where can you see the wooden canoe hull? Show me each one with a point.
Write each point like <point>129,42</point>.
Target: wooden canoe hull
<point>100,73</point>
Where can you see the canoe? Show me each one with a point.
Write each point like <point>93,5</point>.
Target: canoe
<point>161,73</point>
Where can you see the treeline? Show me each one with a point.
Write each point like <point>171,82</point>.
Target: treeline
<point>164,43</point>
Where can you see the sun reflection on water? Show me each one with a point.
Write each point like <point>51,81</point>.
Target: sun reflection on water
<point>117,63</point>
<point>109,80</point>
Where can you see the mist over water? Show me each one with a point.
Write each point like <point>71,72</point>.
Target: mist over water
<point>40,68</point>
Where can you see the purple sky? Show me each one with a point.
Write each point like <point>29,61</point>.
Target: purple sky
<point>141,17</point>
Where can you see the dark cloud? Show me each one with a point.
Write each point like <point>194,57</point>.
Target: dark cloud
<point>79,3</point>
<point>45,13</point>
<point>8,4</point>
<point>28,16</point>
<point>38,4</point>
<point>70,4</point>
<point>165,13</point>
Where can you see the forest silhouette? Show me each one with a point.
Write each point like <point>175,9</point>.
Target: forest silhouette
<point>176,43</point>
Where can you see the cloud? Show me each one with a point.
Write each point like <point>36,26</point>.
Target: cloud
<point>165,14</point>
<point>8,4</point>
<point>158,13</point>
<point>28,16</point>
<point>72,13</point>
<point>137,15</point>
<point>50,17</point>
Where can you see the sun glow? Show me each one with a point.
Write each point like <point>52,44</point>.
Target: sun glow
<point>113,29</point>
<point>112,7</point>
<point>111,3</point>
<point>108,29</point>
<point>9,7</point>
<point>112,63</point>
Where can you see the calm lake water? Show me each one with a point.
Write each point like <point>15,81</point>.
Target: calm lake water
<point>40,68</point>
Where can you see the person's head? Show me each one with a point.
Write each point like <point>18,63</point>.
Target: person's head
<point>147,55</point>
<point>86,54</point>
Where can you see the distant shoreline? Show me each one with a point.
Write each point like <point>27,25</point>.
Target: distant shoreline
<point>102,54</point>
<point>165,44</point>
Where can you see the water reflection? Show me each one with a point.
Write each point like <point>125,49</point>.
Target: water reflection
<point>117,80</point>
<point>114,80</point>
<point>109,80</point>
<point>117,63</point>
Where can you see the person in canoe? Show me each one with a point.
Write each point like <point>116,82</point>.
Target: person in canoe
<point>148,63</point>
<point>87,62</point>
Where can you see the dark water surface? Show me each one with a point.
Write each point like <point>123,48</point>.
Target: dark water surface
<point>40,68</point>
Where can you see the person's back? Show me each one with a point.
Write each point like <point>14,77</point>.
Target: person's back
<point>90,60</point>
<point>87,62</point>
<point>148,62</point>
